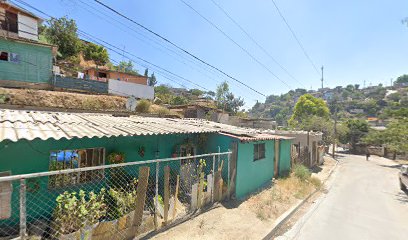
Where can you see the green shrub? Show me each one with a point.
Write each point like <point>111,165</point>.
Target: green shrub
<point>143,106</point>
<point>301,172</point>
<point>76,210</point>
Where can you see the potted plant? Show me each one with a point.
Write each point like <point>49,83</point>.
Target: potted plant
<point>116,157</point>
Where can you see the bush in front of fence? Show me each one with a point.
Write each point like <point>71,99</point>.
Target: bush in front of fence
<point>77,211</point>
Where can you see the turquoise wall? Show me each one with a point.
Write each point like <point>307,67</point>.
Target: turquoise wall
<point>284,157</point>
<point>35,62</point>
<point>252,175</point>
<point>29,157</point>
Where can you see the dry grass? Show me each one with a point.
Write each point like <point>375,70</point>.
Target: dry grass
<point>272,202</point>
<point>66,100</point>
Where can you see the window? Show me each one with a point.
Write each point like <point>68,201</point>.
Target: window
<point>71,159</point>
<point>259,151</point>
<point>9,23</point>
<point>14,57</point>
<point>102,75</point>
<point>4,56</point>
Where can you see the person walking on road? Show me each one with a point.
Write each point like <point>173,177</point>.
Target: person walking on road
<point>367,155</point>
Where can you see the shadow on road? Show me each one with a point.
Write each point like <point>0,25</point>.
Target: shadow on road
<point>402,196</point>
<point>397,166</point>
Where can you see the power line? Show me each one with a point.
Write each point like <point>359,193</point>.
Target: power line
<point>255,42</point>
<point>295,37</point>
<point>178,47</point>
<point>118,51</point>
<point>236,43</point>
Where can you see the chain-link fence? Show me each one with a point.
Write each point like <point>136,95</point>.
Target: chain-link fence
<point>118,201</point>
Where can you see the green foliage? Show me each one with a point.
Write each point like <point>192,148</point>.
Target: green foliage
<point>319,124</point>
<point>152,80</point>
<point>402,79</point>
<point>143,106</point>
<point>63,33</point>
<point>116,157</point>
<point>97,53</point>
<point>162,89</point>
<point>395,136</point>
<point>301,172</point>
<point>178,100</point>
<point>126,67</point>
<point>226,99</point>
<point>74,211</point>
<point>357,129</point>
<point>306,107</point>
<point>196,92</point>
<point>242,114</point>
<point>121,200</point>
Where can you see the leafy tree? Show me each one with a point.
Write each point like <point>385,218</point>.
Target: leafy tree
<point>319,124</point>
<point>402,79</point>
<point>358,129</point>
<point>152,80</point>
<point>306,107</point>
<point>209,95</point>
<point>226,100</point>
<point>146,73</point>
<point>63,33</point>
<point>95,52</point>
<point>196,92</point>
<point>162,89</point>
<point>126,67</point>
<point>395,137</point>
<point>178,100</point>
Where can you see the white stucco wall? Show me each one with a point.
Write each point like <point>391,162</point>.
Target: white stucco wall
<point>128,89</point>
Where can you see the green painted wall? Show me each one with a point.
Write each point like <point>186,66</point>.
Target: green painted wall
<point>35,62</point>
<point>252,175</point>
<point>29,157</point>
<point>284,157</point>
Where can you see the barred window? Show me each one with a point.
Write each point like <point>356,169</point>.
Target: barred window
<point>259,151</point>
<point>71,159</point>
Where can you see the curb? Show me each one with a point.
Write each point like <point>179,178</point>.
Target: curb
<point>289,213</point>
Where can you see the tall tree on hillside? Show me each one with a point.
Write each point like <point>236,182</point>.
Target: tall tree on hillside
<point>402,79</point>
<point>146,73</point>
<point>306,107</point>
<point>126,67</point>
<point>226,99</point>
<point>95,52</point>
<point>152,80</point>
<point>63,33</point>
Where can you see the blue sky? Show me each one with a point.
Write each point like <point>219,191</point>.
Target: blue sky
<point>354,40</point>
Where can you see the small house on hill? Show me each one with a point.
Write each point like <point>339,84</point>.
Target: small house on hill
<point>104,74</point>
<point>24,61</point>
<point>39,142</point>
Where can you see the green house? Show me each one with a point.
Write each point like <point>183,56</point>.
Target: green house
<point>24,61</point>
<point>33,142</point>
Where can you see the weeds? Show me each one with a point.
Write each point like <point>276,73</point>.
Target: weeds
<point>301,172</point>
<point>143,106</point>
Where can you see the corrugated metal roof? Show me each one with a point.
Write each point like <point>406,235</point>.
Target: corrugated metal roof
<point>17,124</point>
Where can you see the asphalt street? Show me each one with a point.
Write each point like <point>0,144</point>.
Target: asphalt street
<point>363,202</point>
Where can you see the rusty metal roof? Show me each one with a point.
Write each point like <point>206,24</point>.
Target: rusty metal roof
<point>18,124</point>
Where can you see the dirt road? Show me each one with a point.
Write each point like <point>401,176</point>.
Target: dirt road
<point>364,202</point>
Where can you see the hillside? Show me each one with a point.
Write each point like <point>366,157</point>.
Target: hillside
<point>352,102</point>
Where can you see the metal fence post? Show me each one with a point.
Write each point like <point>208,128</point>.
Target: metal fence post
<point>156,207</point>
<point>213,180</point>
<point>229,176</point>
<point>23,210</point>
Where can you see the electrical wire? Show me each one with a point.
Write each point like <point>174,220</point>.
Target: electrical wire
<point>177,46</point>
<point>295,37</point>
<point>255,42</point>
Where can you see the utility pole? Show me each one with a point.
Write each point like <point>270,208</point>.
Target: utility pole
<point>335,127</point>
<point>364,84</point>
<point>391,82</point>
<point>322,77</point>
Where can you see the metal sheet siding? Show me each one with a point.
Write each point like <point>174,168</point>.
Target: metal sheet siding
<point>35,64</point>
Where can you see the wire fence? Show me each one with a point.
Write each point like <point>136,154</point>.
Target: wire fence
<point>118,201</point>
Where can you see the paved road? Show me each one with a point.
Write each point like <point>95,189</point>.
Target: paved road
<point>363,202</point>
